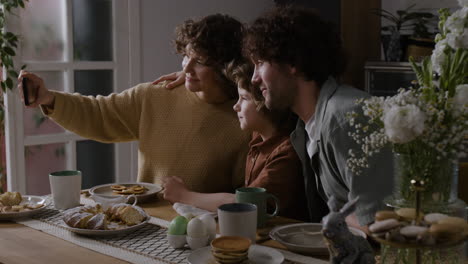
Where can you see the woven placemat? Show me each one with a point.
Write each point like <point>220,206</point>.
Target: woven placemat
<point>149,240</point>
<point>147,244</point>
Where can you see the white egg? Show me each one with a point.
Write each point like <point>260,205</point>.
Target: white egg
<point>197,242</point>
<point>210,224</point>
<point>196,228</point>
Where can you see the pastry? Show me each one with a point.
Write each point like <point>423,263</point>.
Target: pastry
<point>18,208</point>
<point>413,231</point>
<point>94,217</point>
<point>79,219</point>
<point>118,187</point>
<point>135,189</point>
<point>6,209</point>
<point>10,198</point>
<point>97,222</point>
<point>434,217</point>
<point>445,231</point>
<point>383,215</point>
<point>131,215</point>
<point>128,214</point>
<point>384,225</point>
<point>10,202</point>
<point>431,230</point>
<point>408,214</point>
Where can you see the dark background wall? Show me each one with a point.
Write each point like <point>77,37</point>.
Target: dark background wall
<point>359,29</point>
<point>328,9</point>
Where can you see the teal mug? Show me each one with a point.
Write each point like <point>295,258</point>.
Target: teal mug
<point>259,197</point>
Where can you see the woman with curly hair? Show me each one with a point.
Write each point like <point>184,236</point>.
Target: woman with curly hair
<point>191,133</point>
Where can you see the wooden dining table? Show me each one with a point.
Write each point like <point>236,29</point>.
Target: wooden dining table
<point>24,245</point>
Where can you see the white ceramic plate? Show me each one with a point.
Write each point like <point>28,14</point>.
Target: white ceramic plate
<point>91,232</point>
<point>292,236</point>
<point>27,199</point>
<point>106,191</point>
<point>257,255</point>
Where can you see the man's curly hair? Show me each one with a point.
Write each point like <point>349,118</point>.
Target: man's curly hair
<point>300,38</point>
<point>217,38</point>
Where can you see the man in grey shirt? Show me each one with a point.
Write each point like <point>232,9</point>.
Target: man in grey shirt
<point>298,59</point>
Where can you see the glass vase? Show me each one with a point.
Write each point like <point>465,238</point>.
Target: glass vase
<point>439,195</point>
<point>400,255</point>
<point>440,183</point>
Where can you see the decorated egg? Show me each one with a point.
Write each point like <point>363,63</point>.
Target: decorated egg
<point>178,226</point>
<point>196,228</point>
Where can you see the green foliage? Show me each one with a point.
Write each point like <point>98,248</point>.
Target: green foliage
<point>444,13</point>
<point>407,20</point>
<point>454,66</point>
<point>423,71</point>
<point>455,70</point>
<point>8,43</point>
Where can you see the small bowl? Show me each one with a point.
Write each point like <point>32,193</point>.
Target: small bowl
<point>197,242</point>
<point>177,241</point>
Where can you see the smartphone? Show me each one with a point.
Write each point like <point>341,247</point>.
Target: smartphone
<point>27,92</point>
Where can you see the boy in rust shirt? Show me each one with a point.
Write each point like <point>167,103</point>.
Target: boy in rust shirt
<point>271,163</point>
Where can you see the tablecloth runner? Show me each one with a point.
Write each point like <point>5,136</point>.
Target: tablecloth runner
<point>145,245</point>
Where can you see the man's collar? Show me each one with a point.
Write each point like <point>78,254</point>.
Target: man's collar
<point>326,92</point>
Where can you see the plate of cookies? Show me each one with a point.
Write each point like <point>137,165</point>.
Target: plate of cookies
<point>142,190</point>
<point>14,205</point>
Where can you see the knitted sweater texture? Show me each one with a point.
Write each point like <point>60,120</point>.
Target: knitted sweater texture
<point>178,133</point>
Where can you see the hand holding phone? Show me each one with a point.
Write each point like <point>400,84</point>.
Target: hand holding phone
<point>28,92</point>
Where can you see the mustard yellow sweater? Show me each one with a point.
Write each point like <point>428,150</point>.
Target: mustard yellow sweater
<point>178,133</point>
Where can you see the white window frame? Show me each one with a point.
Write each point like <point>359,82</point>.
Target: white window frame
<point>126,72</point>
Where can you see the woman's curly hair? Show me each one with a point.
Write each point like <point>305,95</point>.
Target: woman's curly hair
<point>300,38</point>
<point>217,38</point>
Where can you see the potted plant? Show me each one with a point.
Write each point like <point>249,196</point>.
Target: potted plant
<point>394,41</point>
<point>421,42</point>
<point>8,45</point>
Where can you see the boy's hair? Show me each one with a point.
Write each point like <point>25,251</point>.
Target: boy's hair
<point>241,73</point>
<point>217,38</point>
<point>297,37</point>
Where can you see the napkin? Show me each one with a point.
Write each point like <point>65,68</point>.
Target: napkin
<point>184,209</point>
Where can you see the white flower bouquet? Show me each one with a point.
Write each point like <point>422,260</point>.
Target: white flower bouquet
<point>426,124</point>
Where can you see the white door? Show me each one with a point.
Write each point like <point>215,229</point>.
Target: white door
<point>75,46</point>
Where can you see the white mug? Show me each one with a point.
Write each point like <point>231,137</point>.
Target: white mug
<point>238,219</point>
<point>65,187</point>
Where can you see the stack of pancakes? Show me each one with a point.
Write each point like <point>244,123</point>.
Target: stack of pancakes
<point>230,249</point>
